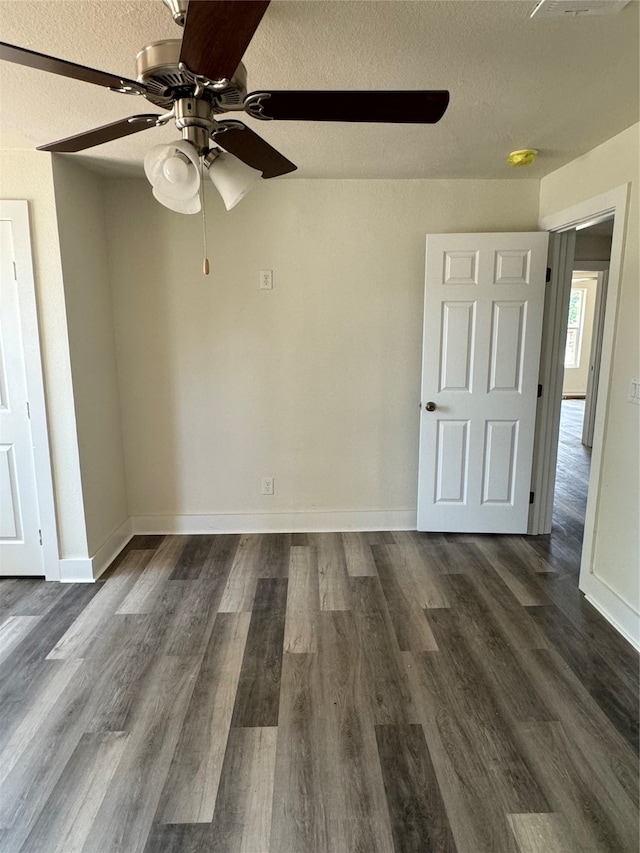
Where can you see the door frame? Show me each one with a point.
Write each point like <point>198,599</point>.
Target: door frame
<point>589,212</point>
<point>551,379</point>
<point>17,212</point>
<point>595,354</point>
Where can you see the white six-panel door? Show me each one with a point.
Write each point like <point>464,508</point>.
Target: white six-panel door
<point>20,546</point>
<point>484,299</point>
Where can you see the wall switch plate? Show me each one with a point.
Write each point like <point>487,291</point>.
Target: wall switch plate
<point>266,279</point>
<point>634,391</point>
<point>267,485</point>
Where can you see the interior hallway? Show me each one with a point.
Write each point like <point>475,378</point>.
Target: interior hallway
<point>572,479</point>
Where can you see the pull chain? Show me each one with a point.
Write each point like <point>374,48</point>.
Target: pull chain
<point>205,262</point>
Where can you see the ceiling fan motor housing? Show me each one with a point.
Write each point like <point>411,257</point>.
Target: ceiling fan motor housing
<point>178,9</point>
<point>158,68</point>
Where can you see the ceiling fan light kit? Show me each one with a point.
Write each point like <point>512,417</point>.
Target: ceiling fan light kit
<point>173,169</point>
<point>230,176</point>
<point>200,78</point>
<point>189,205</point>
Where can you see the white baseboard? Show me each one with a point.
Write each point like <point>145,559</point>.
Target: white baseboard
<point>76,570</point>
<point>275,522</point>
<point>616,611</point>
<point>107,553</point>
<point>89,569</point>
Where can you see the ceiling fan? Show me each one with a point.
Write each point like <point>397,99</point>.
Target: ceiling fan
<point>199,79</point>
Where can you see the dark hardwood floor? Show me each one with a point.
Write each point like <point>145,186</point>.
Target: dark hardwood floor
<point>574,463</point>
<point>347,693</point>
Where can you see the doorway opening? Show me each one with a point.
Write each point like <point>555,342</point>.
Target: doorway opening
<point>563,227</point>
<point>582,360</point>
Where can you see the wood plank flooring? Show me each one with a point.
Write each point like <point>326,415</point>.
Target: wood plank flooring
<point>322,693</point>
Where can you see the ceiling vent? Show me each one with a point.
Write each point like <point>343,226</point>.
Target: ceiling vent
<point>577,8</point>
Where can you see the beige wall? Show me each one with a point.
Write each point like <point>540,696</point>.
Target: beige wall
<point>28,175</point>
<point>85,268</point>
<point>592,247</point>
<point>616,556</point>
<point>316,383</point>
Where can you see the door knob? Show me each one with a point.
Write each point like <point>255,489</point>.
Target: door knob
<point>430,407</point>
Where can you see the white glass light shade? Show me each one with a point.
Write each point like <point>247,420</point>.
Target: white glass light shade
<point>176,170</point>
<point>173,172</point>
<point>232,178</point>
<point>188,205</point>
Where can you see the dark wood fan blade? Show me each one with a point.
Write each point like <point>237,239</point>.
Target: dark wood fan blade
<point>217,33</point>
<point>106,133</point>
<point>415,107</point>
<point>254,151</point>
<point>22,56</point>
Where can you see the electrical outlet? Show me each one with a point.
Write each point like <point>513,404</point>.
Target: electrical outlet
<point>267,485</point>
<point>266,279</point>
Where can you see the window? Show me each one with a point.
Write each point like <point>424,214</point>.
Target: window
<point>575,326</point>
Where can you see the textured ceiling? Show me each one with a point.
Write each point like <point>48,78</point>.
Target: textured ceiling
<point>560,85</point>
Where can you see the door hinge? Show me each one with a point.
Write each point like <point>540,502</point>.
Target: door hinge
<point>15,271</point>
<point>548,278</point>
<point>531,497</point>
<point>539,390</point>
<point>28,410</point>
<point>40,536</point>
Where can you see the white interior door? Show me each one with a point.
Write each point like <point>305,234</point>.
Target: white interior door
<point>20,545</point>
<point>483,307</point>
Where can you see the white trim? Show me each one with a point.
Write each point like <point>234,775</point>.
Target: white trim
<point>106,554</point>
<point>76,570</point>
<point>275,522</point>
<point>18,213</point>
<point>614,202</point>
<point>595,357</point>
<point>616,611</point>
<point>605,216</point>
<point>607,204</point>
<point>89,569</point>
